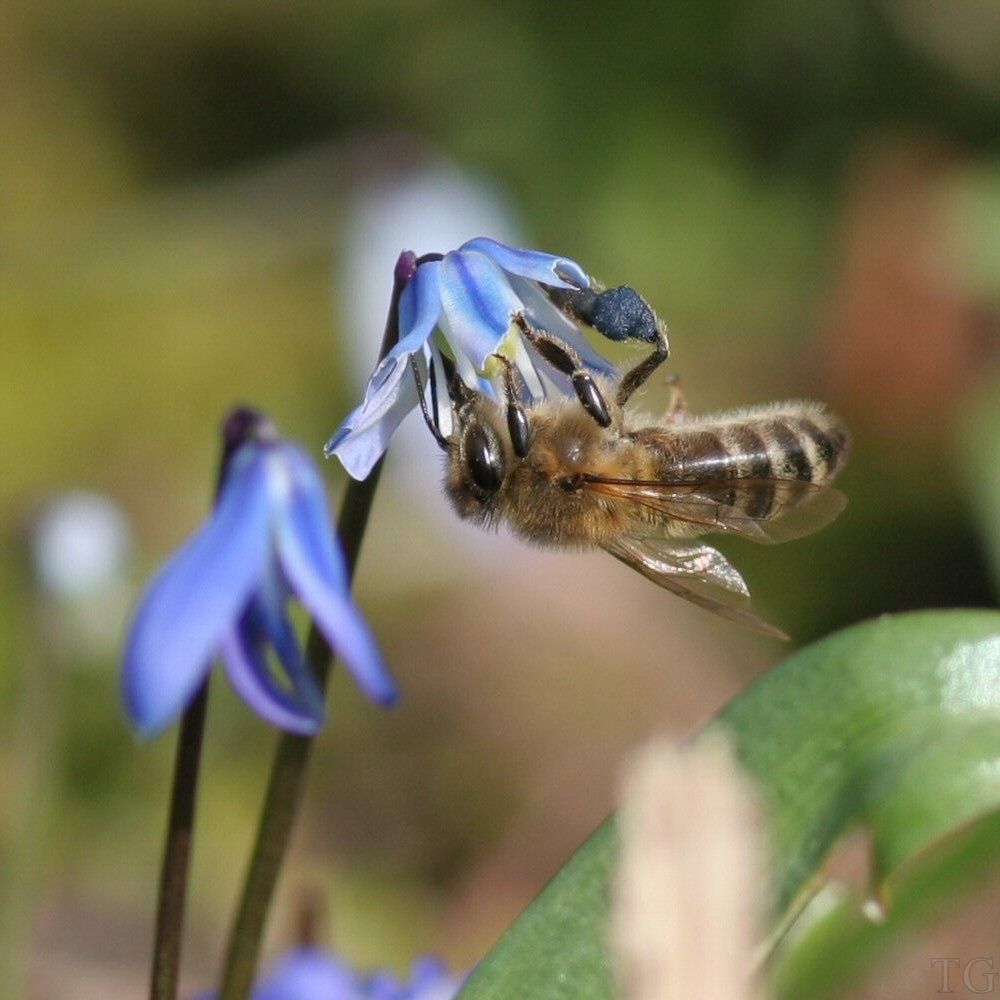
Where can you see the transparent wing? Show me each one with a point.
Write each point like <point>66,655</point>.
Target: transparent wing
<point>763,510</point>
<point>698,573</point>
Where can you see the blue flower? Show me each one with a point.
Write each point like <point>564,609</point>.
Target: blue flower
<point>429,979</point>
<point>469,299</point>
<point>309,973</point>
<point>226,591</point>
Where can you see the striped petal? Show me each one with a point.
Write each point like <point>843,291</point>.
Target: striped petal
<point>560,272</point>
<point>420,306</point>
<point>478,302</point>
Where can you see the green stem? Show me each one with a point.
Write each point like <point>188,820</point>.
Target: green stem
<point>284,789</point>
<point>177,851</point>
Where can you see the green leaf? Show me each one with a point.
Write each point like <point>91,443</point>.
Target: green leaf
<point>979,460</point>
<point>834,943</point>
<point>891,723</point>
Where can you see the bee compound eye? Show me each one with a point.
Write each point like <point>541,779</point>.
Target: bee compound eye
<point>484,458</point>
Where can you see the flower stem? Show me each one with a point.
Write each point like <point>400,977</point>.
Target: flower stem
<point>172,894</point>
<point>177,851</point>
<point>284,789</point>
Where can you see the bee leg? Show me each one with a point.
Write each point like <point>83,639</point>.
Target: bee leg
<point>636,376</point>
<point>458,392</point>
<point>564,359</point>
<point>677,407</point>
<point>517,418</point>
<point>433,420</point>
<point>619,313</point>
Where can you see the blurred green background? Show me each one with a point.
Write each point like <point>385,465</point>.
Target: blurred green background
<point>808,194</point>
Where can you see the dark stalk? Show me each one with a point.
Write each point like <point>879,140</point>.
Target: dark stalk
<point>239,426</point>
<point>284,789</point>
<point>177,851</point>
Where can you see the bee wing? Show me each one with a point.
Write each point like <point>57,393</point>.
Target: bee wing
<point>763,510</point>
<point>698,573</point>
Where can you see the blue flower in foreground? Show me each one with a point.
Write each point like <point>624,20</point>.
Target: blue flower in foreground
<point>313,974</point>
<point>469,300</point>
<point>429,979</point>
<point>226,591</point>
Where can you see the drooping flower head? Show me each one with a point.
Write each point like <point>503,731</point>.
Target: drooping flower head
<point>226,592</point>
<point>474,303</point>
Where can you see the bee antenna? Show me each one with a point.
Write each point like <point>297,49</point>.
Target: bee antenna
<point>433,421</point>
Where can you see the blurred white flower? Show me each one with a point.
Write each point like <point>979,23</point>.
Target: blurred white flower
<point>81,545</point>
<point>434,204</point>
<point>81,550</point>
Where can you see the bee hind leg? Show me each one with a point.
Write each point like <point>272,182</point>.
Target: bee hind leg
<point>620,314</point>
<point>636,376</point>
<point>564,359</point>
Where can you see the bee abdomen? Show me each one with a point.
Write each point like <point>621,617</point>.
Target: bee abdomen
<point>722,453</point>
<point>804,445</point>
<point>809,447</point>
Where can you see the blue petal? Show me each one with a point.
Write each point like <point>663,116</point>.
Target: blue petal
<point>385,986</point>
<point>314,567</point>
<point>244,651</point>
<point>362,438</point>
<point>478,302</point>
<point>463,365</point>
<point>309,974</point>
<point>430,979</point>
<point>427,969</point>
<point>420,306</point>
<point>196,598</point>
<point>559,272</point>
<point>269,619</point>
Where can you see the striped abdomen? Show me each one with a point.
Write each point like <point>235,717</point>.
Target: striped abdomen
<point>800,442</point>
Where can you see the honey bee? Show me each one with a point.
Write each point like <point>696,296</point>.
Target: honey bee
<point>591,473</point>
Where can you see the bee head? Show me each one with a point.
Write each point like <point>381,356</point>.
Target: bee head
<point>483,459</point>
<point>478,459</point>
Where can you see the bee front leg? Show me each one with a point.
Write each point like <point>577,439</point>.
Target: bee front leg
<point>517,419</point>
<point>431,417</point>
<point>564,359</point>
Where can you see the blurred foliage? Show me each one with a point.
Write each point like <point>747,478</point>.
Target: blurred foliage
<point>979,442</point>
<point>889,726</point>
<point>807,193</point>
